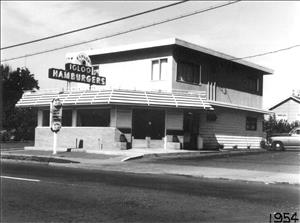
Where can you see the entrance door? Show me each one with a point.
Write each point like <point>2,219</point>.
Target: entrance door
<point>149,123</point>
<point>190,129</point>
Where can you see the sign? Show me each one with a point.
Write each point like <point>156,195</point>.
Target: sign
<point>56,115</point>
<point>80,59</point>
<point>78,69</point>
<point>60,74</point>
<point>281,116</point>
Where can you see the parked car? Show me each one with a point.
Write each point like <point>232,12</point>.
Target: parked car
<point>289,141</point>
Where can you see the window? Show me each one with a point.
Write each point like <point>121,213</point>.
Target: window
<point>251,123</point>
<point>93,117</point>
<point>67,117</point>
<point>253,83</point>
<point>189,72</point>
<point>46,118</point>
<point>159,69</point>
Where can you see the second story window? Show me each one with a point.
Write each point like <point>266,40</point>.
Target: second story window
<point>189,73</point>
<point>253,84</point>
<point>159,69</point>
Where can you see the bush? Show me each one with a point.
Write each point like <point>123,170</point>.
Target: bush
<point>4,136</point>
<point>263,144</point>
<point>220,146</point>
<point>273,126</point>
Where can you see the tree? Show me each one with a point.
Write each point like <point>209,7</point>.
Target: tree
<point>14,83</point>
<point>273,126</point>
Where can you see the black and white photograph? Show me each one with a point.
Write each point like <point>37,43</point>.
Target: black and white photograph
<point>150,111</point>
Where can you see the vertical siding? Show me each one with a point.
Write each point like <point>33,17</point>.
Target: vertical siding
<point>230,129</point>
<point>238,97</point>
<point>229,79</point>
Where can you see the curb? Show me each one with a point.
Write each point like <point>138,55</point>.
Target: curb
<point>37,158</point>
<point>132,158</point>
<point>176,155</point>
<point>199,155</point>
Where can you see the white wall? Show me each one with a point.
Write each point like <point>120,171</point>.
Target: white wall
<point>134,75</point>
<point>290,109</point>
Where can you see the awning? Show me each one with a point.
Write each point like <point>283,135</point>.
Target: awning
<point>118,97</point>
<point>239,107</point>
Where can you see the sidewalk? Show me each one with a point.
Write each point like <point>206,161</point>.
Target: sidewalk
<point>119,155</point>
<point>114,161</point>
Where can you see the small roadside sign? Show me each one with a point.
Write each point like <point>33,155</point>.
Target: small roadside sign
<point>56,115</point>
<point>56,119</point>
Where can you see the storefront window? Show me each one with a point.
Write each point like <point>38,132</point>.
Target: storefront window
<point>93,117</point>
<point>67,117</point>
<point>46,118</point>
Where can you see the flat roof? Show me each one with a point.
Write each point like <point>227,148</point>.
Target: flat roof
<point>174,41</point>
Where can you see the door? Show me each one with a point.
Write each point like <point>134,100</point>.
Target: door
<point>148,123</point>
<point>190,129</point>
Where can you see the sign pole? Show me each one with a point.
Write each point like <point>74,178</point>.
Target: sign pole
<point>56,119</point>
<point>54,142</point>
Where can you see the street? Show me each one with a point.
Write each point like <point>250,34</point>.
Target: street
<point>35,192</point>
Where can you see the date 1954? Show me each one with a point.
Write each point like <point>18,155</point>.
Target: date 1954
<point>283,217</point>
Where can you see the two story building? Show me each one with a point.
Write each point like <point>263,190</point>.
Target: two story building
<point>168,94</point>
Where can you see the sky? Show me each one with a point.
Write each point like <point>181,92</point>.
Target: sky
<point>241,29</point>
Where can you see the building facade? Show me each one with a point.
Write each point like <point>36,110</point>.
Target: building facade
<point>288,109</point>
<point>165,94</point>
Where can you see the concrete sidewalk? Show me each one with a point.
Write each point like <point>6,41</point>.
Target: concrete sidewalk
<point>120,155</point>
<point>114,161</point>
<point>206,172</point>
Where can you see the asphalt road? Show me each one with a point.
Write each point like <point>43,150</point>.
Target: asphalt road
<point>34,192</point>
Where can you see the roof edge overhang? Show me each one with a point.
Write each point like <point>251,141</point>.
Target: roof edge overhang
<point>223,56</point>
<point>118,97</point>
<point>239,107</point>
<point>179,42</point>
<point>285,100</point>
<point>118,104</point>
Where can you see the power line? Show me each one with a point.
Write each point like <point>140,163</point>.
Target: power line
<point>123,32</point>
<point>266,53</point>
<point>93,26</point>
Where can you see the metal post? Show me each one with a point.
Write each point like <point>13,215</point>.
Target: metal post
<point>54,142</point>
